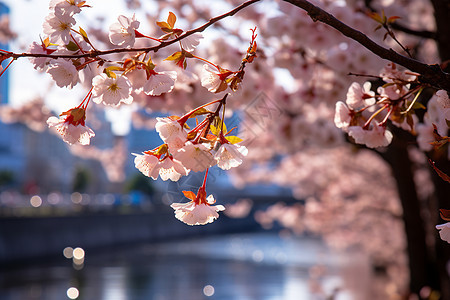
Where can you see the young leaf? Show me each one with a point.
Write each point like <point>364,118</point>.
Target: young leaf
<point>171,19</point>
<point>189,195</point>
<point>199,112</point>
<point>164,26</point>
<point>84,35</point>
<point>214,130</point>
<point>376,17</point>
<point>46,42</point>
<point>71,46</point>
<point>392,19</point>
<point>445,214</point>
<point>439,172</point>
<point>162,149</point>
<point>234,139</point>
<point>175,56</point>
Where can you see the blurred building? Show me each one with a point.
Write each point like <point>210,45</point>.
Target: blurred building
<point>36,162</point>
<point>4,10</point>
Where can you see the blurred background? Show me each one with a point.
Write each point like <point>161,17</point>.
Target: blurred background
<point>78,224</point>
<point>309,214</point>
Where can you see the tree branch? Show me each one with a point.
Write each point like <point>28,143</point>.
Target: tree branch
<point>430,74</point>
<point>397,26</point>
<point>97,53</point>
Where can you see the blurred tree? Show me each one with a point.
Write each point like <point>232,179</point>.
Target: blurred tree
<point>81,180</point>
<point>6,178</point>
<point>139,183</point>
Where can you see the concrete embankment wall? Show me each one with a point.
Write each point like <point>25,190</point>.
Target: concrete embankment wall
<point>25,238</point>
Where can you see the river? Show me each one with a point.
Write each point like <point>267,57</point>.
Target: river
<point>256,266</point>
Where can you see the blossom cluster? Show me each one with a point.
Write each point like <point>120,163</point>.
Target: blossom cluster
<point>195,150</point>
<point>69,56</point>
<point>364,115</point>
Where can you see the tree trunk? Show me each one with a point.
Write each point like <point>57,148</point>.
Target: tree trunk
<point>442,188</point>
<point>427,263</point>
<point>420,267</point>
<point>442,199</point>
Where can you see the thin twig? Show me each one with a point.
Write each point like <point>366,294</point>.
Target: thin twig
<point>96,53</point>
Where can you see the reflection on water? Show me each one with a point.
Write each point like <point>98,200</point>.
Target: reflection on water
<point>239,267</point>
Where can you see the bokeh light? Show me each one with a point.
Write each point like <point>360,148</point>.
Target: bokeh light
<point>73,293</point>
<point>78,253</point>
<point>208,290</point>
<point>68,252</point>
<point>36,201</point>
<point>76,198</point>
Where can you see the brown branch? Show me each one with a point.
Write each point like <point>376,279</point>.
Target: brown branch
<point>400,27</point>
<point>431,74</point>
<point>96,53</point>
<point>419,33</point>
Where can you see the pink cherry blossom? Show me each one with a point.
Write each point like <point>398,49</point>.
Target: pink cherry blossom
<point>70,131</point>
<point>197,214</point>
<point>39,62</point>
<point>171,132</point>
<point>123,33</point>
<point>63,73</point>
<point>158,83</point>
<point>70,7</point>
<point>343,116</point>
<point>151,166</point>
<point>196,157</point>
<point>444,102</point>
<point>444,231</point>
<point>229,156</point>
<point>214,80</point>
<point>57,26</point>
<point>358,96</point>
<point>111,91</point>
<point>191,42</point>
<point>376,136</point>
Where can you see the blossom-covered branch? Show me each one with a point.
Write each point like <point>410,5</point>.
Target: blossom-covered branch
<point>96,53</point>
<point>431,74</point>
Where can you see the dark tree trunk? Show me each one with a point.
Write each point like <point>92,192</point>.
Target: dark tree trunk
<point>442,199</point>
<point>442,17</point>
<point>420,266</point>
<point>427,263</point>
<point>442,188</point>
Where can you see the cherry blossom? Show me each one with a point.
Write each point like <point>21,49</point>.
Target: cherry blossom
<point>199,211</point>
<point>230,155</point>
<point>444,231</point>
<point>374,137</point>
<point>197,214</point>
<point>358,95</point>
<point>213,80</point>
<point>196,157</point>
<point>168,168</point>
<point>343,116</point>
<point>111,91</point>
<point>57,26</point>
<point>71,127</point>
<point>70,7</point>
<point>158,83</point>
<point>39,62</point>
<point>123,33</point>
<point>171,132</point>
<point>191,42</point>
<point>444,102</point>
<point>63,73</point>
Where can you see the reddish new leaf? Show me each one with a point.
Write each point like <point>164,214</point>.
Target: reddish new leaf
<point>445,214</point>
<point>439,172</point>
<point>189,195</point>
